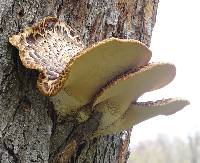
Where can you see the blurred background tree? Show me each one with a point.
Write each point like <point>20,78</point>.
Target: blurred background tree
<point>167,150</point>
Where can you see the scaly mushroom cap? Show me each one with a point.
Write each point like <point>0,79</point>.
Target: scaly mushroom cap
<point>141,111</point>
<point>116,97</point>
<point>48,47</point>
<point>95,66</point>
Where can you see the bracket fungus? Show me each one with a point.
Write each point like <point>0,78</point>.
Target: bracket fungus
<point>107,77</point>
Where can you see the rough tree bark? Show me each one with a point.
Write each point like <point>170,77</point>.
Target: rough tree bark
<point>29,131</point>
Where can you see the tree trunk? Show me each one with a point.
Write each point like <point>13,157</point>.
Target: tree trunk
<point>29,130</point>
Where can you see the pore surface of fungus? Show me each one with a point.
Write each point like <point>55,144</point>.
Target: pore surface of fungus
<point>107,77</point>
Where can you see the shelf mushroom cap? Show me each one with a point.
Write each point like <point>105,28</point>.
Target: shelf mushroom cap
<point>141,111</point>
<point>95,66</point>
<point>115,98</point>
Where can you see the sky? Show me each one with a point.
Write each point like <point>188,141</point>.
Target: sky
<point>175,39</point>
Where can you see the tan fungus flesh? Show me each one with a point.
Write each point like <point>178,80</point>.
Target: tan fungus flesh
<point>116,97</point>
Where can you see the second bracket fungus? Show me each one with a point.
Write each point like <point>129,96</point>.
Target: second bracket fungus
<point>107,77</point>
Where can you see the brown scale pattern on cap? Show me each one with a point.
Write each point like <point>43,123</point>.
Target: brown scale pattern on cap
<point>49,47</point>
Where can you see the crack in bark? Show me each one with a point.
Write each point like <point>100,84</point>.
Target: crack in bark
<point>78,152</point>
<point>62,146</point>
<point>11,152</point>
<point>22,103</point>
<point>81,133</point>
<point>53,115</point>
<point>4,79</point>
<point>34,17</point>
<point>59,8</point>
